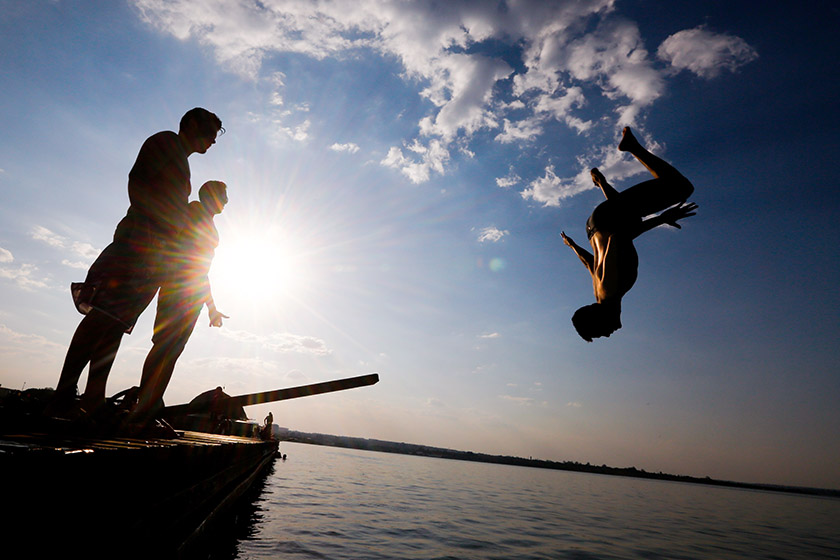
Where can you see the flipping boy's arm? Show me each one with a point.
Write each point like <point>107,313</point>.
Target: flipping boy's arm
<point>585,256</point>
<point>669,217</point>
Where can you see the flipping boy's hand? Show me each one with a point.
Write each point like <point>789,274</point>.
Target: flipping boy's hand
<point>567,240</point>
<point>683,210</point>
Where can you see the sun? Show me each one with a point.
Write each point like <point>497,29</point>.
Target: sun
<point>259,268</point>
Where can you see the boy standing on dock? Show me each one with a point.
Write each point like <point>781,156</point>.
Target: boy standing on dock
<point>123,280</point>
<point>184,292</point>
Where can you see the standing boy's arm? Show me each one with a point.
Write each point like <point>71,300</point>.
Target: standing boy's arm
<point>215,315</point>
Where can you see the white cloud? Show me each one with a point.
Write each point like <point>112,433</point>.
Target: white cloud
<point>243,366</point>
<point>463,87</point>
<point>550,189</point>
<point>492,234</point>
<point>84,250</point>
<point>525,130</point>
<point>490,335</point>
<point>30,345</point>
<point>523,401</point>
<point>40,233</point>
<point>348,147</point>
<point>75,264</point>
<point>508,181</point>
<point>299,133</point>
<point>418,168</point>
<point>561,108</point>
<point>26,276</point>
<point>574,404</point>
<point>395,158</point>
<point>569,50</point>
<point>705,53</point>
<point>281,342</point>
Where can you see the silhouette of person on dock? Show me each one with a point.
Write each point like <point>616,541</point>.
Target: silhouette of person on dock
<point>184,292</point>
<point>613,226</point>
<point>268,427</point>
<point>123,280</point>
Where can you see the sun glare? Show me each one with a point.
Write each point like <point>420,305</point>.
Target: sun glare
<point>259,269</point>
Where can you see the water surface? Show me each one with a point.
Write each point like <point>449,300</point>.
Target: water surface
<point>326,502</point>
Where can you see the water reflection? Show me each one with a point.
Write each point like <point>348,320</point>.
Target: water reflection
<point>237,526</point>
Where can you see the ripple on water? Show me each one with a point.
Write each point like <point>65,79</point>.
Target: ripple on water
<point>346,504</point>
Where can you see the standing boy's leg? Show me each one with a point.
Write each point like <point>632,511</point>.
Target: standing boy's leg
<point>95,338</point>
<point>102,358</point>
<point>173,328</point>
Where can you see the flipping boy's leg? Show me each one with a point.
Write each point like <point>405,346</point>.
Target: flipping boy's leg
<point>668,188</point>
<point>601,182</point>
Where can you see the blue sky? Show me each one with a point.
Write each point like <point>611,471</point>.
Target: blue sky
<point>399,174</point>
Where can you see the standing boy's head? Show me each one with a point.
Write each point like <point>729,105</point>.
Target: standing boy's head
<point>213,196</point>
<point>199,128</point>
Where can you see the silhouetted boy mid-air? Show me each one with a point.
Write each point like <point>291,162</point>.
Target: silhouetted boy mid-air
<point>613,226</point>
<point>184,292</point>
<point>122,281</point>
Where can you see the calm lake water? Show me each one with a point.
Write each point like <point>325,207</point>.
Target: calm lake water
<point>333,503</point>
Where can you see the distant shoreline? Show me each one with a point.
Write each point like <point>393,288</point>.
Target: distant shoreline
<point>365,444</point>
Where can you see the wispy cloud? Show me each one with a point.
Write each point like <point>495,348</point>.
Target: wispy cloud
<point>436,403</point>
<point>25,276</point>
<point>249,366</point>
<point>523,401</point>
<point>44,235</point>
<point>281,342</point>
<point>84,250</point>
<point>17,343</point>
<point>75,264</point>
<point>492,234</point>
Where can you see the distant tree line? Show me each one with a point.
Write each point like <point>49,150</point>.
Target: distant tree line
<point>366,444</point>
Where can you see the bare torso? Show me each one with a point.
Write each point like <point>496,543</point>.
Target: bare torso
<point>616,265</point>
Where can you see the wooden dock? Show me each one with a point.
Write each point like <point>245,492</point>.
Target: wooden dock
<point>121,497</point>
